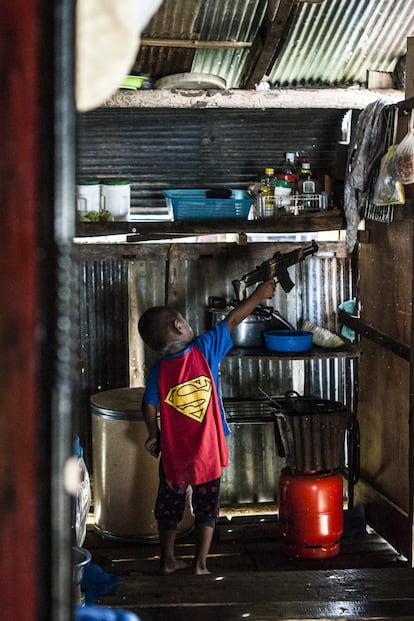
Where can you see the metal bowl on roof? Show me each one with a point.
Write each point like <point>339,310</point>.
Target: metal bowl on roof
<point>191,81</point>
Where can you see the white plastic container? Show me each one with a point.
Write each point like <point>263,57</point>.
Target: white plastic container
<point>282,196</point>
<point>88,195</point>
<point>116,197</point>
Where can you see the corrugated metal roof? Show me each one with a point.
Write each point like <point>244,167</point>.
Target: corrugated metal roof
<point>325,44</point>
<point>234,21</point>
<point>337,42</point>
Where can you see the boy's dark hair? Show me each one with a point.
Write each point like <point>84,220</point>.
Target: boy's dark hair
<point>154,326</point>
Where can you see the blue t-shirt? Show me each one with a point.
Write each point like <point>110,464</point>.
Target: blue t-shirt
<point>214,345</point>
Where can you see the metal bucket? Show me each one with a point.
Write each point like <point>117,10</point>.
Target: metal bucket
<point>312,432</point>
<point>80,558</point>
<point>125,474</point>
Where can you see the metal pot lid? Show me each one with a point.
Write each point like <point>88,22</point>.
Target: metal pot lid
<point>293,404</point>
<point>309,406</point>
<point>191,81</point>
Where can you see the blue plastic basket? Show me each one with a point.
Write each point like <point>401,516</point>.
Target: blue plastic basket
<point>193,204</point>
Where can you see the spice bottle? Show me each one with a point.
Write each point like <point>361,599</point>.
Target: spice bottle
<point>306,184</point>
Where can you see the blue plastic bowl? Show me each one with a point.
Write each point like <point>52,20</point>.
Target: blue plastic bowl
<point>288,340</point>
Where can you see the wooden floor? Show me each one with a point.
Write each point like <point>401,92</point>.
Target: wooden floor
<point>252,579</point>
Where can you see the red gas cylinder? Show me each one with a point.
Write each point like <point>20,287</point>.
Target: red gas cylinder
<point>310,514</point>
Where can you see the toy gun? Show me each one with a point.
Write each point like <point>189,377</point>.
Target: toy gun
<point>276,267</point>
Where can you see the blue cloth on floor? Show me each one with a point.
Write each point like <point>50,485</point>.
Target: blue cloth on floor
<point>100,613</point>
<point>95,581</point>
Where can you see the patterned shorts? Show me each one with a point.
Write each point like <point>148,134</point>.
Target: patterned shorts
<point>170,503</point>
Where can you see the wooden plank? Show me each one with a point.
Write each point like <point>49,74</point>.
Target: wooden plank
<point>143,231</point>
<point>268,41</point>
<point>385,294</point>
<point>136,270</point>
<point>383,413</point>
<point>253,251</point>
<point>409,69</point>
<point>183,589</point>
<point>359,594</point>
<point>374,335</point>
<point>385,279</point>
<point>195,43</point>
<point>386,516</point>
<point>380,79</point>
<point>291,98</point>
<point>252,577</point>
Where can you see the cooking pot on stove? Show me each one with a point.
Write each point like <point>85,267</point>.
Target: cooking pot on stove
<point>248,333</point>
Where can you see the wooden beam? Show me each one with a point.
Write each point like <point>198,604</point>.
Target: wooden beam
<point>194,43</point>
<point>371,333</point>
<point>379,79</point>
<point>251,99</point>
<point>268,41</point>
<point>409,77</point>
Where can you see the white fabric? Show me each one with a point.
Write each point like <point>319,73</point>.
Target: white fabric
<point>107,43</point>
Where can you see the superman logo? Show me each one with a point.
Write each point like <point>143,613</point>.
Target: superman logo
<point>191,398</point>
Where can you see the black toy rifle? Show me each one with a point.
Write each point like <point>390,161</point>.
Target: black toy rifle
<point>276,267</point>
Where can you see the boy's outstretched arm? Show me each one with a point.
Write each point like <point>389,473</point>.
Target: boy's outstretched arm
<point>264,291</point>
<point>152,443</point>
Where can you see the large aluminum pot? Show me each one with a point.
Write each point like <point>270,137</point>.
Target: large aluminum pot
<point>248,333</point>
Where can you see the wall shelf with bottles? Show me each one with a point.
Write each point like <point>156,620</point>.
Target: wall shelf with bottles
<point>285,223</point>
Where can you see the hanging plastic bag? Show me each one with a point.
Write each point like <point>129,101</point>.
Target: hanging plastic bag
<point>80,489</point>
<point>403,160</point>
<point>83,502</point>
<point>387,190</point>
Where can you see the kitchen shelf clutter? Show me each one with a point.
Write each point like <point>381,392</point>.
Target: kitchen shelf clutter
<point>287,223</point>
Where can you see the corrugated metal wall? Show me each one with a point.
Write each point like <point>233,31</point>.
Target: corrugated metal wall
<point>103,336</point>
<point>321,284</point>
<point>197,148</point>
<point>171,148</point>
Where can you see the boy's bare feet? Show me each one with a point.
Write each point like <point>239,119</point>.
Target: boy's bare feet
<point>172,566</point>
<point>199,571</point>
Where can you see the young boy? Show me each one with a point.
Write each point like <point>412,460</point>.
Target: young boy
<point>184,386</point>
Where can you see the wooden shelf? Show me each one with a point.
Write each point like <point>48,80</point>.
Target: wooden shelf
<point>346,351</point>
<point>142,231</point>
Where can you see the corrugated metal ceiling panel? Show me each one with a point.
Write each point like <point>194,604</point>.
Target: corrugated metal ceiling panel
<point>333,43</point>
<point>337,42</point>
<point>229,21</point>
<point>175,20</point>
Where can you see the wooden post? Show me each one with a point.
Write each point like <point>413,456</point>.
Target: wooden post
<point>409,69</point>
<point>135,343</point>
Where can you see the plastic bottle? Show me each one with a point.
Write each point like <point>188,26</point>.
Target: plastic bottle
<point>283,191</point>
<point>286,171</point>
<point>268,182</point>
<point>259,211</point>
<point>306,183</point>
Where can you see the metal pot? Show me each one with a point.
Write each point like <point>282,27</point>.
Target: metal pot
<point>248,333</point>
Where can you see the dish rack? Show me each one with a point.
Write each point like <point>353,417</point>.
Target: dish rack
<point>294,204</point>
<point>305,202</point>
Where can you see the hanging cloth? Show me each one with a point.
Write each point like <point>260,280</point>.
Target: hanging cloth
<point>365,152</point>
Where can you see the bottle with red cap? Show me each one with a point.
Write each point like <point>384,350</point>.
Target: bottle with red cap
<point>286,171</point>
